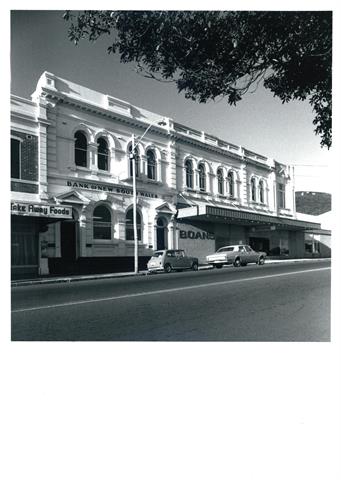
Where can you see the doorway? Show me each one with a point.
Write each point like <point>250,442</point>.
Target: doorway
<point>68,238</point>
<point>161,234</point>
<point>260,244</point>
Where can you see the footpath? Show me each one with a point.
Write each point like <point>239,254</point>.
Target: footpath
<point>77,278</point>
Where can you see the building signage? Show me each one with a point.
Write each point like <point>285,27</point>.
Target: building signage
<point>40,210</point>
<point>196,235</point>
<point>107,188</point>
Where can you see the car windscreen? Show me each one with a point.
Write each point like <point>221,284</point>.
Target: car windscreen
<point>226,249</point>
<point>157,254</point>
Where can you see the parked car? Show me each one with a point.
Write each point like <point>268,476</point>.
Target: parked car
<point>237,255</point>
<point>168,260</point>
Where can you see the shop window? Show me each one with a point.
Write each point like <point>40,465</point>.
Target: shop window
<point>137,161</point>
<point>281,195</point>
<point>102,223</point>
<point>261,191</point>
<point>202,177</point>
<point>81,149</point>
<point>151,165</point>
<point>230,181</point>
<point>189,173</point>
<point>220,177</point>
<point>15,158</point>
<point>253,189</point>
<point>103,154</point>
<point>130,225</point>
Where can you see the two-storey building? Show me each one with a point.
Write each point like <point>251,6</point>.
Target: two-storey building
<point>72,171</point>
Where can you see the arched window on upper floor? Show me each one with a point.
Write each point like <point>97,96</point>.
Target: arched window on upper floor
<point>102,154</point>
<point>189,173</point>
<point>261,191</point>
<point>151,165</point>
<point>230,182</point>
<point>101,223</point>
<point>220,180</point>
<point>81,149</point>
<point>130,225</point>
<point>202,177</point>
<point>253,189</point>
<point>136,155</point>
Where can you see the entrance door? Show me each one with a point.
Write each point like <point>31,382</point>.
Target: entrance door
<point>68,240</point>
<point>161,234</point>
<point>260,244</point>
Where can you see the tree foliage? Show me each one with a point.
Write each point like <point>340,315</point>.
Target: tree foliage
<point>215,54</point>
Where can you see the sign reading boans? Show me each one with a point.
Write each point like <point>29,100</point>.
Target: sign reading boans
<point>196,242</point>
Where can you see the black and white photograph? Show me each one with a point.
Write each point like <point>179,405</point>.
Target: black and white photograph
<point>172,239</point>
<point>153,156</point>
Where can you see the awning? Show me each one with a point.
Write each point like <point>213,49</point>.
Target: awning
<point>211,213</point>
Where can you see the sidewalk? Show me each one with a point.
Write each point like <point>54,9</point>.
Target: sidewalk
<point>78,278</point>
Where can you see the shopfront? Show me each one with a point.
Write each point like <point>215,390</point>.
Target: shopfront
<point>29,221</point>
<point>214,227</point>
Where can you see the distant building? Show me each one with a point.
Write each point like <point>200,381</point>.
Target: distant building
<point>71,186</point>
<point>313,203</point>
<point>316,206</point>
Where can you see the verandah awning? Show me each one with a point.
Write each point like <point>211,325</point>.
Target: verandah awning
<point>212,213</point>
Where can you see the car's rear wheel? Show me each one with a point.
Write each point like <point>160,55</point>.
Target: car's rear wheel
<point>244,264</point>
<point>167,268</point>
<point>218,266</point>
<point>194,266</point>
<point>261,261</point>
<point>237,262</point>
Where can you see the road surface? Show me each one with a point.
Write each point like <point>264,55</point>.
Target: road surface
<point>275,302</point>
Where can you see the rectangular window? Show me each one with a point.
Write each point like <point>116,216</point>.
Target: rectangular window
<point>15,158</point>
<point>281,195</point>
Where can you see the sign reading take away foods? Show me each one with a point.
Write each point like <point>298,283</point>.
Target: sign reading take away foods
<point>40,210</point>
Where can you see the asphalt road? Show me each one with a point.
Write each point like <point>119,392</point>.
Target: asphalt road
<point>278,302</point>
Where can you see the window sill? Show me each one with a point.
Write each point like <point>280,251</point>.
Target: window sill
<point>20,180</point>
<point>104,241</point>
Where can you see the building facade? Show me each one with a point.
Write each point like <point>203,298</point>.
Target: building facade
<point>72,194</point>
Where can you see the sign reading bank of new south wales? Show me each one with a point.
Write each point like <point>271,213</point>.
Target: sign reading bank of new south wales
<point>41,210</point>
<point>109,188</point>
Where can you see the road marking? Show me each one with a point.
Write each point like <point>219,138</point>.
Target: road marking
<point>167,290</point>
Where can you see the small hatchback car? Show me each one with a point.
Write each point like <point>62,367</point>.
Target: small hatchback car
<point>168,260</point>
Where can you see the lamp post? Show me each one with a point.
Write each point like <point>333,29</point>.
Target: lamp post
<point>133,158</point>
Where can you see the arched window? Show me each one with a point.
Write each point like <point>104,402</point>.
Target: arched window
<point>81,149</point>
<point>261,191</point>
<point>202,177</point>
<point>130,225</point>
<point>137,161</point>
<point>151,165</point>
<point>230,181</point>
<point>102,154</point>
<point>102,223</point>
<point>220,178</point>
<point>189,174</point>
<point>253,189</point>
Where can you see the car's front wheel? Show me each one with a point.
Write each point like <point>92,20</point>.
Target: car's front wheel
<point>167,268</point>
<point>237,262</point>
<point>261,261</point>
<point>219,265</point>
<point>194,266</point>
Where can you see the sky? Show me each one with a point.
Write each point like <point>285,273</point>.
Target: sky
<point>259,122</point>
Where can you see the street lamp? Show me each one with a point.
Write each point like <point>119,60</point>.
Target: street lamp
<point>133,158</point>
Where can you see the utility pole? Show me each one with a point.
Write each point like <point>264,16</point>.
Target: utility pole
<point>136,241</point>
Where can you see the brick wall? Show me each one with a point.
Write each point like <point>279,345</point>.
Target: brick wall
<point>29,163</point>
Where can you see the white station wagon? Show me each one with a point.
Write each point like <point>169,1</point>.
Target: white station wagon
<point>237,255</point>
